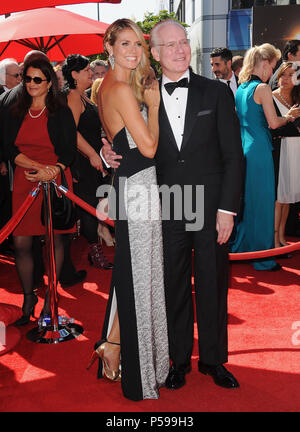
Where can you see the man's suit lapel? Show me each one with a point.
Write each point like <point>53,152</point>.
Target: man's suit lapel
<point>164,120</point>
<point>237,80</point>
<point>192,108</point>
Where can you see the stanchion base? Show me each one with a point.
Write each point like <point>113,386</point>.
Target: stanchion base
<point>47,335</point>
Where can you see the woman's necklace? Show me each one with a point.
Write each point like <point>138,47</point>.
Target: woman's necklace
<point>285,102</point>
<point>38,115</point>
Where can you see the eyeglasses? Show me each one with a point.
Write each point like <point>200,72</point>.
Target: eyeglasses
<point>36,80</point>
<point>184,43</point>
<point>16,75</point>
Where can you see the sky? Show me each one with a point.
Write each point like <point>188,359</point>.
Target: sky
<point>110,12</point>
<point>134,9</point>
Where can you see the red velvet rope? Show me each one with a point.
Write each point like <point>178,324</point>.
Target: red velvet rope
<point>14,221</point>
<point>264,253</point>
<point>85,205</point>
<point>232,256</point>
<point>10,226</point>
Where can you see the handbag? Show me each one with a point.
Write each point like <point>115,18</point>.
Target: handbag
<point>63,211</point>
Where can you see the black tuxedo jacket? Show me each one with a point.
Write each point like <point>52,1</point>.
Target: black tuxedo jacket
<point>211,151</point>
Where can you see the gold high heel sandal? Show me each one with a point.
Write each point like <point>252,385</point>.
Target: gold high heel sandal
<point>99,353</point>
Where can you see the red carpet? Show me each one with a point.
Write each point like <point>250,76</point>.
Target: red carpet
<point>264,348</point>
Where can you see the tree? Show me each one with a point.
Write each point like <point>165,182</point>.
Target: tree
<point>150,20</point>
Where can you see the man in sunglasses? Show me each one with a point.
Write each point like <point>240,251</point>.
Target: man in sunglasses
<point>10,74</point>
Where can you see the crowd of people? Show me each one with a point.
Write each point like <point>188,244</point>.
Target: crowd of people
<point>110,123</point>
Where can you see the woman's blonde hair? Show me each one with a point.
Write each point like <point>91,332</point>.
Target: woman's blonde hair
<point>138,75</point>
<point>94,91</point>
<point>254,56</point>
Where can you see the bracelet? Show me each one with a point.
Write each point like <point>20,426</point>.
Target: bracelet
<point>287,117</point>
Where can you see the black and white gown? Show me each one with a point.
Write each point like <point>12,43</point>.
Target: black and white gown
<point>137,287</point>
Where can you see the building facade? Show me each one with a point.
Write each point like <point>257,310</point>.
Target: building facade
<point>217,23</point>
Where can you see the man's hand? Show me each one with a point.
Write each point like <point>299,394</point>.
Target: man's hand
<point>224,226</point>
<point>109,155</point>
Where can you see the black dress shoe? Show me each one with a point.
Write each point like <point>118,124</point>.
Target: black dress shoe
<point>176,377</point>
<point>221,376</point>
<point>78,277</point>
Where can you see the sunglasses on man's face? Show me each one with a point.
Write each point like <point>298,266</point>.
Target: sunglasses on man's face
<point>16,75</point>
<point>36,80</point>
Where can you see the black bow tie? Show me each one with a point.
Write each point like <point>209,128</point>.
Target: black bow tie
<point>171,86</point>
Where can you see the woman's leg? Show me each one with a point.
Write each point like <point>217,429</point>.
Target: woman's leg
<point>24,266</point>
<point>284,215</point>
<point>277,221</point>
<point>112,351</point>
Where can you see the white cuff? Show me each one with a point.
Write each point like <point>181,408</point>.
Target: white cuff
<point>102,157</point>
<point>228,212</point>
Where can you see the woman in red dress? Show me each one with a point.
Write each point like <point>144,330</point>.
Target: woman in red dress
<point>39,136</point>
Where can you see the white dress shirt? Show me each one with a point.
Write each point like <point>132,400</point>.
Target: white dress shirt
<point>233,84</point>
<point>175,105</point>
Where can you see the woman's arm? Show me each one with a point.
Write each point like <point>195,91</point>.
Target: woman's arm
<point>125,110</point>
<point>263,96</point>
<point>37,171</point>
<point>76,106</point>
<point>85,148</point>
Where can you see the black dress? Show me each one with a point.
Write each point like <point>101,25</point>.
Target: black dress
<point>137,287</point>
<point>87,178</point>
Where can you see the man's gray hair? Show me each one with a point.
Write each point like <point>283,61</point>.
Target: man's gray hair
<point>3,65</point>
<point>154,39</point>
<point>96,63</point>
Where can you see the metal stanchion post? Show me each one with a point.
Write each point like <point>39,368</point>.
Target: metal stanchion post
<point>53,332</point>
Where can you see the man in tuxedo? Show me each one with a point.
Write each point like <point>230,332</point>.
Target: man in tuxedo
<point>220,60</point>
<point>199,144</point>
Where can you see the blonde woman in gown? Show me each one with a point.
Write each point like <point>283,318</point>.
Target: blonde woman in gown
<point>134,344</point>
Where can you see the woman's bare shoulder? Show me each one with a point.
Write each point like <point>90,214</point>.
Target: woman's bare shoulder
<point>73,96</point>
<point>264,88</point>
<point>119,89</point>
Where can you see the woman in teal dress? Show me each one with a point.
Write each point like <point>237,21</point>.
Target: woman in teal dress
<point>256,112</point>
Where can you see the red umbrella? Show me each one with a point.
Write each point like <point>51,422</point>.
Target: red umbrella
<point>56,32</point>
<point>21,5</point>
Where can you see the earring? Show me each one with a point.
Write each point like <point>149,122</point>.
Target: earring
<point>111,60</point>
<point>75,82</point>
